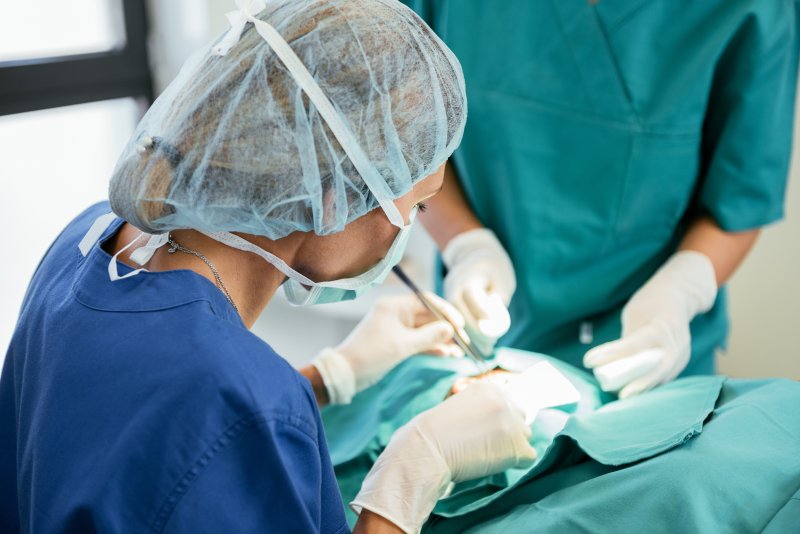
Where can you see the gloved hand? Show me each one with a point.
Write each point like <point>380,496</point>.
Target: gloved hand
<point>478,432</point>
<point>397,327</point>
<point>480,283</point>
<point>656,342</point>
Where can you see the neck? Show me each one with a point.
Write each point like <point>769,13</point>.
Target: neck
<point>250,281</point>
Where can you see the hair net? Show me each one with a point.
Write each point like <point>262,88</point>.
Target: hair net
<point>236,144</point>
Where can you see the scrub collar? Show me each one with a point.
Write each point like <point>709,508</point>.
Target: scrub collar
<point>146,292</point>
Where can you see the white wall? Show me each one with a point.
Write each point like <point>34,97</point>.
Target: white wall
<point>765,296</point>
<point>53,165</point>
<point>177,28</point>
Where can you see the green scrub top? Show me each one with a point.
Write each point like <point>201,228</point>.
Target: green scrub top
<point>598,128</point>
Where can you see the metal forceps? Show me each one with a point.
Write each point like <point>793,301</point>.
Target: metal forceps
<point>469,349</point>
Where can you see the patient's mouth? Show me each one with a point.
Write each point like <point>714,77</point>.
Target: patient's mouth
<point>461,383</point>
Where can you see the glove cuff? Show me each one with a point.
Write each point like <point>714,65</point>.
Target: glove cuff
<point>695,273</point>
<point>337,374</point>
<point>466,242</point>
<point>423,485</point>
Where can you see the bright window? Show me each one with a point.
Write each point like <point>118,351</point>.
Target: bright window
<point>54,164</point>
<point>49,28</point>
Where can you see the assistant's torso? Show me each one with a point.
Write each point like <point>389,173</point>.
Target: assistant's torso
<point>596,130</point>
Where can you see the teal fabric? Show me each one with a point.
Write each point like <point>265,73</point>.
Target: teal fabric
<point>606,453</point>
<point>597,129</point>
<point>787,518</point>
<point>366,424</point>
<point>742,474</point>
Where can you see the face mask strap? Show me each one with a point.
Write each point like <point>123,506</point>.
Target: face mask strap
<point>234,241</point>
<point>143,254</point>
<point>298,295</point>
<point>113,273</point>
<point>345,284</point>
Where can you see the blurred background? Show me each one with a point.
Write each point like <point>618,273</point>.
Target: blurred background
<point>75,77</point>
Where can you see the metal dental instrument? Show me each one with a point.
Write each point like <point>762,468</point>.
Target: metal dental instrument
<point>469,349</point>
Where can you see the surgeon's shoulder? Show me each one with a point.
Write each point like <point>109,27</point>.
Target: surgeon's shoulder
<point>74,231</point>
<point>251,376</point>
<point>81,223</point>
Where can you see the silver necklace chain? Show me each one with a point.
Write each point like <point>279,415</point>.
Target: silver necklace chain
<point>174,247</point>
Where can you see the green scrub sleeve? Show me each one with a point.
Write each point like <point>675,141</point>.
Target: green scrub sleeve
<point>747,135</point>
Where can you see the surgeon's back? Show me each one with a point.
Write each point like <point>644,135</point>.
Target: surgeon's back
<point>158,414</point>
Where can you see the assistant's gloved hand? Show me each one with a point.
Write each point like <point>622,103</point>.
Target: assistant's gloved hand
<point>396,328</point>
<point>480,283</point>
<point>477,432</point>
<point>656,342</point>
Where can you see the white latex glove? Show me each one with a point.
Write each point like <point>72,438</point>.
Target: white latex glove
<point>395,328</point>
<point>480,283</point>
<point>656,342</point>
<point>477,432</point>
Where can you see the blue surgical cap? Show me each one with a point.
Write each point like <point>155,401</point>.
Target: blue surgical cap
<point>304,116</point>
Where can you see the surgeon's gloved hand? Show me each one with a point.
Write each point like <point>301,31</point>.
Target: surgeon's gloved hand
<point>397,327</point>
<point>478,432</point>
<point>480,283</point>
<point>656,342</point>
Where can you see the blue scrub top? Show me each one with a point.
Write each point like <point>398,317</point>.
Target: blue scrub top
<point>146,405</point>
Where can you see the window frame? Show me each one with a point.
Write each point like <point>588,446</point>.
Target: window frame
<point>42,83</point>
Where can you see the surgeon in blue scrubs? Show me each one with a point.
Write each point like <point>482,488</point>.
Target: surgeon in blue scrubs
<point>619,160</point>
<point>293,151</point>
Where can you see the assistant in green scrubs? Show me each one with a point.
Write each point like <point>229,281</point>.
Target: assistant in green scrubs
<point>600,130</point>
